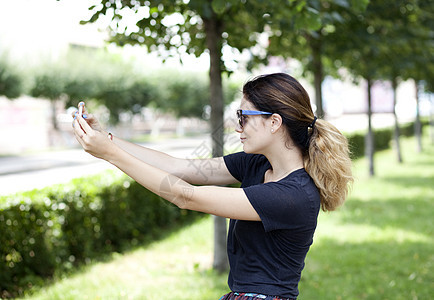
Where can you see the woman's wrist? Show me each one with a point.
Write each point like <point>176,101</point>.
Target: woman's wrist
<point>108,134</point>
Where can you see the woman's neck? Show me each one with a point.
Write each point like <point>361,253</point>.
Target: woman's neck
<point>283,162</point>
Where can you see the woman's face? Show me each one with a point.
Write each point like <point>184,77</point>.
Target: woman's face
<point>255,133</point>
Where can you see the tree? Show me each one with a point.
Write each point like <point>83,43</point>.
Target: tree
<point>11,82</point>
<point>421,57</point>
<point>307,43</point>
<point>396,132</point>
<point>49,84</point>
<point>105,77</point>
<point>176,27</point>
<point>406,27</point>
<point>376,45</point>
<point>85,67</point>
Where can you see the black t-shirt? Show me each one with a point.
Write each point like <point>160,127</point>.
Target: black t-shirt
<point>267,256</point>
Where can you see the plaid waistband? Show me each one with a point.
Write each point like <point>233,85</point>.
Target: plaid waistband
<point>251,296</point>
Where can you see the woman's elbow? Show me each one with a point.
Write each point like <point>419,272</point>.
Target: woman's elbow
<point>185,197</point>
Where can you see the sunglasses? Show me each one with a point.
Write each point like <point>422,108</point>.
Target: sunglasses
<point>242,113</point>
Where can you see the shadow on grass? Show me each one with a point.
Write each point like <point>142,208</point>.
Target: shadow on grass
<point>410,208</point>
<point>399,213</point>
<point>369,270</point>
<point>412,181</point>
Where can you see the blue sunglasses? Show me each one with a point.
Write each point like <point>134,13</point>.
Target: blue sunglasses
<point>241,113</point>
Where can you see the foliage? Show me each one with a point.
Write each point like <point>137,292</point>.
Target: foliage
<point>11,81</point>
<point>187,93</point>
<point>306,43</point>
<point>82,68</point>
<point>176,267</point>
<point>94,74</point>
<point>173,28</point>
<point>48,83</point>
<point>50,230</point>
<point>417,46</point>
<point>388,31</point>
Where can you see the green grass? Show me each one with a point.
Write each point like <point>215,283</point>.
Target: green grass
<point>178,267</point>
<point>378,246</point>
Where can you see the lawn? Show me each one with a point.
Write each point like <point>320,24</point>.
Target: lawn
<point>378,246</point>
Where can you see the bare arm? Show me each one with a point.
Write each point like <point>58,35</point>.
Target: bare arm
<point>195,171</point>
<point>220,201</point>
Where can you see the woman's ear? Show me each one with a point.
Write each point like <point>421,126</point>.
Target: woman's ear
<point>276,122</point>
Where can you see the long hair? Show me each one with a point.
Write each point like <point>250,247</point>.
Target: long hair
<point>325,150</point>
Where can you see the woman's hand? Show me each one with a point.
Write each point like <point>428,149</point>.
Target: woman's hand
<point>90,118</point>
<point>94,142</point>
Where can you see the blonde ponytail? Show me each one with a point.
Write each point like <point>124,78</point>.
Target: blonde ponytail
<point>329,164</point>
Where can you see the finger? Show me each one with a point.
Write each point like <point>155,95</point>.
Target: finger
<point>84,125</point>
<point>79,135</point>
<point>84,112</point>
<point>78,130</point>
<point>79,139</point>
<point>87,117</point>
<point>80,108</point>
<point>83,104</point>
<point>85,109</point>
<point>74,115</point>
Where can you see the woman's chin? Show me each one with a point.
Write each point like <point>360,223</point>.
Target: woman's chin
<point>246,149</point>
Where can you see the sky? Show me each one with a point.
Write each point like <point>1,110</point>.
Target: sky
<point>34,27</point>
<point>31,30</point>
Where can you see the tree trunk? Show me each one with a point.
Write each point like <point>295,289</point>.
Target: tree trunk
<point>396,131</point>
<point>369,140</point>
<point>318,74</point>
<point>431,118</point>
<point>54,115</point>
<point>213,40</point>
<point>417,123</point>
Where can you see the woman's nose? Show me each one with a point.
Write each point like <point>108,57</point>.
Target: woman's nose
<point>238,128</point>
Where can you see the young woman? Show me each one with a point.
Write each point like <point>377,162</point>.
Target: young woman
<point>292,165</point>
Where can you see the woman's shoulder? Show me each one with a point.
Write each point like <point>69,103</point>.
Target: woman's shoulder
<point>247,168</point>
<point>299,177</point>
<point>249,158</point>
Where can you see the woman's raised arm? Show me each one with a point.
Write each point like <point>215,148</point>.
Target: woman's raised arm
<point>220,201</point>
<point>209,171</point>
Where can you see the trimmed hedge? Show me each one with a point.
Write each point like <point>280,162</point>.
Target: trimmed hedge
<point>56,228</point>
<point>382,138</point>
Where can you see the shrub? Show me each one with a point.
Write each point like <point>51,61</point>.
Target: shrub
<point>382,138</point>
<point>55,228</point>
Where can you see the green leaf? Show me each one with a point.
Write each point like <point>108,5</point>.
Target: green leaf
<point>219,6</point>
<point>300,5</point>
